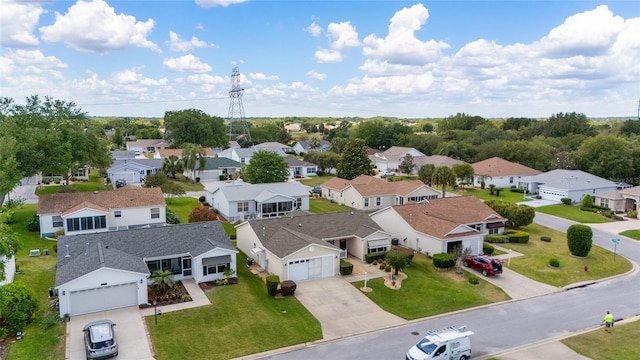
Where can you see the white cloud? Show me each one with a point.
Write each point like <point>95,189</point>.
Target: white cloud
<point>17,22</point>
<point>401,46</point>
<point>186,63</point>
<point>316,75</point>
<point>343,38</point>
<point>262,76</point>
<point>314,29</point>
<point>177,44</point>
<point>25,72</point>
<point>95,27</point>
<point>213,3</point>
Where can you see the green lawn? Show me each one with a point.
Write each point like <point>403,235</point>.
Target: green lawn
<point>321,205</point>
<point>241,320</point>
<point>573,213</point>
<point>182,206</point>
<point>485,194</point>
<point>427,292</point>
<point>534,264</point>
<point>189,186</point>
<point>79,186</point>
<point>38,274</point>
<point>599,345</point>
<point>316,180</point>
<point>633,234</point>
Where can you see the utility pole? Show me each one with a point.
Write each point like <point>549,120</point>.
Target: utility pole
<point>237,125</point>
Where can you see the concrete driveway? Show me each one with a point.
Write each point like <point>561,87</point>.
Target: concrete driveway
<point>130,333</point>
<point>341,308</point>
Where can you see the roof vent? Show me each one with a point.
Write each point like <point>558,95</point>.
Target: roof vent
<point>299,225</point>
<point>205,226</point>
<point>95,191</point>
<point>86,250</point>
<point>352,213</point>
<point>68,255</point>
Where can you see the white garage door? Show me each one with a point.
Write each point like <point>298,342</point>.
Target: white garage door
<point>104,298</point>
<point>311,268</point>
<point>129,177</point>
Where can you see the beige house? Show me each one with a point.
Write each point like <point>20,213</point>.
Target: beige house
<point>440,225</point>
<point>370,193</point>
<point>306,246</point>
<point>622,200</point>
<point>501,173</point>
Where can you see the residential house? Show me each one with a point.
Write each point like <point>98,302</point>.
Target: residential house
<point>123,155</point>
<point>100,211</point>
<point>435,160</point>
<point>370,193</point>
<point>440,225</point>
<point>501,173</point>
<point>309,246</point>
<point>295,127</point>
<point>620,200</point>
<point>269,145</point>
<point>238,200</point>
<point>243,155</point>
<point>216,169</point>
<point>164,153</point>
<point>134,171</point>
<point>104,271</point>
<point>300,168</point>
<point>146,146</point>
<point>391,158</point>
<point>560,183</point>
<point>305,146</point>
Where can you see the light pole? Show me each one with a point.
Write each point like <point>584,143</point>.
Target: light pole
<point>365,279</point>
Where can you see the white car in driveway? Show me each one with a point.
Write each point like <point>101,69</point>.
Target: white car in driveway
<point>387,173</point>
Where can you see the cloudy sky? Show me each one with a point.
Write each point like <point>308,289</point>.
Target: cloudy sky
<point>326,58</point>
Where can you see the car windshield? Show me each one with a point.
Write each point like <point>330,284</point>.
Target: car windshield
<point>426,347</point>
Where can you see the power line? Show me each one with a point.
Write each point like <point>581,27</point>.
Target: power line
<point>152,101</point>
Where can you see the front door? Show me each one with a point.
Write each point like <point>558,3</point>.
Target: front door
<point>343,244</point>
<point>186,267</point>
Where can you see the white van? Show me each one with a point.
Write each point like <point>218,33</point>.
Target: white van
<point>448,343</point>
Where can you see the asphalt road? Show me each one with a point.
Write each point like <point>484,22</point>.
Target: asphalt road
<point>508,325</point>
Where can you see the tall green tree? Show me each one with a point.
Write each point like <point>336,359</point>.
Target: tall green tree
<point>266,167</point>
<point>406,165</point>
<point>443,176</point>
<point>172,165</point>
<point>195,127</point>
<point>425,173</point>
<point>607,156</point>
<point>354,161</point>
<point>561,124</point>
<point>463,172</point>
<point>194,158</point>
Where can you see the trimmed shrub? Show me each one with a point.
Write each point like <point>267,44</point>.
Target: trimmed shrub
<point>579,239</point>
<point>387,268</point>
<point>566,201</point>
<point>554,262</point>
<point>172,217</point>
<point>443,261</point>
<point>472,279</point>
<point>202,213</point>
<point>272,284</point>
<point>497,239</point>
<point>202,199</point>
<point>517,236</point>
<point>408,253</point>
<point>589,209</point>
<point>633,214</point>
<point>33,224</point>
<point>587,201</point>
<point>488,249</point>
<point>545,238</point>
<point>346,268</point>
<point>287,288</point>
<point>374,256</point>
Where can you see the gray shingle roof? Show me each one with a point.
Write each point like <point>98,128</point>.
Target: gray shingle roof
<point>221,163</point>
<point>572,180</point>
<point>286,235</point>
<point>126,250</point>
<point>240,191</point>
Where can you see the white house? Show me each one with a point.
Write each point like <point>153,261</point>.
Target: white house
<point>440,225</point>
<point>238,200</point>
<point>243,155</point>
<point>370,193</point>
<point>81,213</point>
<point>270,145</point>
<point>305,246</point>
<point>305,146</point>
<point>575,184</point>
<point>215,168</point>
<point>144,146</point>
<point>391,158</point>
<point>300,168</point>
<point>104,271</point>
<point>501,173</point>
<point>134,171</point>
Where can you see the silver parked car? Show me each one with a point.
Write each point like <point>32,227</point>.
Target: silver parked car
<point>100,339</point>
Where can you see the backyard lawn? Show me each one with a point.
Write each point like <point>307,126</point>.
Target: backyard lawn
<point>602,346</point>
<point>44,337</point>
<point>573,213</point>
<point>95,183</point>
<point>182,206</point>
<point>242,319</point>
<point>601,263</point>
<point>316,180</point>
<point>485,194</point>
<point>428,292</point>
<point>322,205</point>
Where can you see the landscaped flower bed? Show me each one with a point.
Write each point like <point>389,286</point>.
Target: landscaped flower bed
<point>173,295</point>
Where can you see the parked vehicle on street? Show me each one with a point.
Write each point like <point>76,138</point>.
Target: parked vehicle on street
<point>316,190</point>
<point>446,343</point>
<point>100,339</point>
<point>484,263</point>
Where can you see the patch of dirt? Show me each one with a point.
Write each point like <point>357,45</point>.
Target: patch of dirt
<point>396,283</point>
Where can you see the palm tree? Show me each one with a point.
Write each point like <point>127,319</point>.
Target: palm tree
<point>194,157</point>
<point>162,280</point>
<point>443,176</point>
<point>172,165</point>
<point>397,260</point>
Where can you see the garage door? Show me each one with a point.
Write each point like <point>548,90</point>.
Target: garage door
<point>104,298</point>
<point>311,268</point>
<point>129,177</point>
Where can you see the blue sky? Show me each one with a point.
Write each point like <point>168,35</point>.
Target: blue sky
<point>326,58</point>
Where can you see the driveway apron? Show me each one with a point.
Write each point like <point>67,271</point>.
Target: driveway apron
<point>341,308</point>
<point>130,333</point>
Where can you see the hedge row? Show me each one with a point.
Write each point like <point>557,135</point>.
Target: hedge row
<point>443,261</point>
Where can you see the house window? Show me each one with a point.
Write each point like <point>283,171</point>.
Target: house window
<point>378,201</point>
<point>298,203</point>
<point>476,226</point>
<point>243,206</point>
<point>366,202</point>
<point>100,222</point>
<point>155,213</point>
<point>87,223</point>
<point>511,180</point>
<point>604,203</point>
<point>73,224</point>
<point>494,231</point>
<point>57,221</point>
<point>117,213</point>
<point>311,170</point>
<point>215,269</point>
<point>79,173</point>
<point>377,249</point>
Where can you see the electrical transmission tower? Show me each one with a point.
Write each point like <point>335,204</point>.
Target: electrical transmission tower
<point>237,125</point>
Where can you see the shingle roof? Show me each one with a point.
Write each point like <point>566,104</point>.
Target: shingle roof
<point>496,166</point>
<point>291,161</point>
<point>436,160</point>
<point>286,235</point>
<point>438,217</point>
<point>221,163</point>
<point>125,197</point>
<point>123,154</point>
<point>178,152</point>
<point>126,250</point>
<point>571,180</point>
<point>272,144</point>
<point>324,145</point>
<point>147,163</point>
<point>240,191</point>
<point>147,142</point>
<point>370,186</point>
